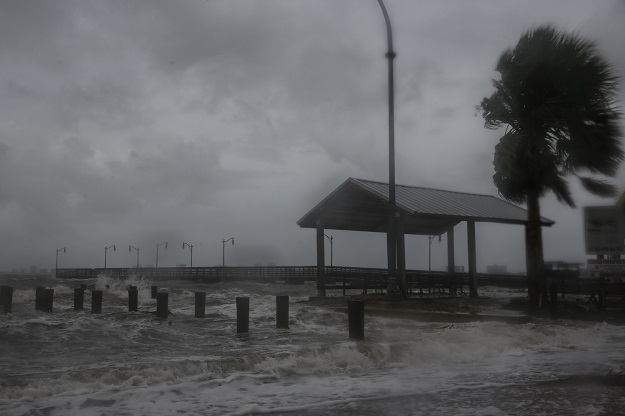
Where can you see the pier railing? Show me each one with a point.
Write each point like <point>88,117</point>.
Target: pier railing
<point>337,278</point>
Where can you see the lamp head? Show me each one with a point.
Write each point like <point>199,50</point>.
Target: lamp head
<point>129,249</point>
<point>64,250</point>
<point>232,240</point>
<point>114,247</point>
<point>165,244</point>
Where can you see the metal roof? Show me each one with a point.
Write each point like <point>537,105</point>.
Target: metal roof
<point>362,205</point>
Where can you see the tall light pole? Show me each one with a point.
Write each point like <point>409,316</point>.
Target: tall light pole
<point>391,236</point>
<point>164,243</point>
<point>331,238</point>
<point>223,251</point>
<point>105,250</point>
<point>190,248</point>
<point>137,250</point>
<point>430,239</point>
<point>56,266</point>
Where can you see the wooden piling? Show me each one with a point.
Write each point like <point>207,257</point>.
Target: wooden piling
<point>48,300</point>
<point>39,298</point>
<point>162,305</point>
<point>79,299</point>
<point>200,304</point>
<point>154,291</point>
<point>96,301</point>
<point>356,317</point>
<point>2,289</point>
<point>282,311</point>
<point>243,315</point>
<point>6,294</point>
<point>553,300</point>
<point>133,299</point>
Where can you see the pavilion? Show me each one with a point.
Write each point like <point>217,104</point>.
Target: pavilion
<point>363,205</point>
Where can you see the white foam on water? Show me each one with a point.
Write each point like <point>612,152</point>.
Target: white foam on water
<point>133,363</point>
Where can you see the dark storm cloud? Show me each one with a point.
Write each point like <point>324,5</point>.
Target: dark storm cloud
<point>132,122</point>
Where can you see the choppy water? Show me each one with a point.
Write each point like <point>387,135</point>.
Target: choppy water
<point>121,363</point>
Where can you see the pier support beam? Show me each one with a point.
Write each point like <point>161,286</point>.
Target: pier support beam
<point>321,261</point>
<point>472,259</point>
<point>451,260</point>
<point>401,255</point>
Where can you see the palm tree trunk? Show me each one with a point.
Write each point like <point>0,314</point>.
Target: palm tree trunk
<point>534,252</point>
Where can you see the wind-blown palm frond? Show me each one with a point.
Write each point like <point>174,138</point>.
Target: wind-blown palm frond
<point>556,99</point>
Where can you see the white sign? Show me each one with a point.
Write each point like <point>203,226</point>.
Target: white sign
<point>606,267</point>
<point>604,230</point>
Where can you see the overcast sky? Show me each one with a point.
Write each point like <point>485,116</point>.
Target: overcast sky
<point>134,122</point>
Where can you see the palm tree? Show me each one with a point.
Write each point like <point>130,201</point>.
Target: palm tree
<point>556,99</point>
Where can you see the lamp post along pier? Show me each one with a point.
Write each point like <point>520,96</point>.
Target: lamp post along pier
<point>130,248</point>
<point>331,238</point>
<point>190,248</point>
<point>391,236</point>
<point>223,250</point>
<point>56,265</point>
<point>105,251</point>
<point>164,243</point>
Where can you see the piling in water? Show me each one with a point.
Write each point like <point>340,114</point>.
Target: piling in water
<point>48,300</point>
<point>96,301</point>
<point>6,295</point>
<point>162,305</point>
<point>200,304</point>
<point>553,300</point>
<point>282,311</point>
<point>39,293</point>
<point>243,315</point>
<point>154,291</point>
<point>133,299</point>
<point>79,299</point>
<point>356,317</point>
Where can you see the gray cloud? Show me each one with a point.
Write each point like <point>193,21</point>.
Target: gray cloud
<point>135,122</point>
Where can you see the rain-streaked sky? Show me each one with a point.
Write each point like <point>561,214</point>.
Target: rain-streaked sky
<point>134,122</point>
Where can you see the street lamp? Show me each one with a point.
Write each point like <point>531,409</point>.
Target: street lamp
<point>105,250</point>
<point>391,236</point>
<point>223,251</point>
<point>164,243</point>
<point>56,266</point>
<point>430,239</point>
<point>331,238</point>
<point>137,250</point>
<point>191,248</point>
